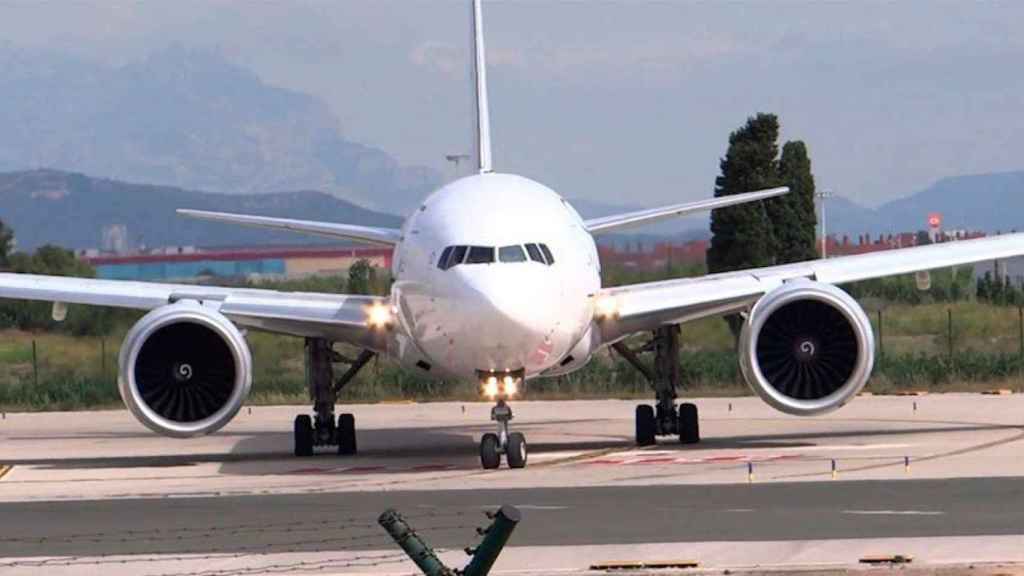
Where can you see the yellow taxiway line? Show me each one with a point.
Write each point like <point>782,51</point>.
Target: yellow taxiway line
<point>4,470</point>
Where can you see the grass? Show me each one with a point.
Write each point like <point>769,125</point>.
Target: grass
<point>81,372</point>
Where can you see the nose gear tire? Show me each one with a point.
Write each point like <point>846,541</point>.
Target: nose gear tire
<point>515,452</point>
<point>490,457</point>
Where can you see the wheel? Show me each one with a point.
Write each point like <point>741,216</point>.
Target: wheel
<point>515,452</point>
<point>346,434</point>
<point>489,456</point>
<point>303,435</point>
<point>645,425</point>
<point>689,424</point>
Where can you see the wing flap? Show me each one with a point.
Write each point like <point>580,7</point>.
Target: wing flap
<point>640,217</point>
<point>368,234</point>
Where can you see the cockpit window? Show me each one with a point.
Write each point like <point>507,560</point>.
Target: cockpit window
<point>547,254</point>
<point>535,254</point>
<point>480,255</point>
<point>513,253</point>
<point>442,262</point>
<point>457,255</point>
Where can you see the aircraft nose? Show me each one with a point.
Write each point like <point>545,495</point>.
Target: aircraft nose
<point>510,311</point>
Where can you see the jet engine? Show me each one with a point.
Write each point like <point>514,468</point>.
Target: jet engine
<point>806,348</point>
<point>184,370</point>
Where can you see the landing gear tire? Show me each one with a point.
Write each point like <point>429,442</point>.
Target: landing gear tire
<point>515,452</point>
<point>346,431</point>
<point>303,435</point>
<point>688,424</point>
<point>646,425</point>
<point>490,456</point>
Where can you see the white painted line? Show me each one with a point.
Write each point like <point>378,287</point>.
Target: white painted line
<point>740,510</point>
<point>895,512</point>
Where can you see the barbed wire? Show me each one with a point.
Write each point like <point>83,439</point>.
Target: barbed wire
<point>307,565</point>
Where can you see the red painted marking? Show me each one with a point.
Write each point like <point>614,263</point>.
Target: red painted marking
<point>430,467</point>
<point>361,469</point>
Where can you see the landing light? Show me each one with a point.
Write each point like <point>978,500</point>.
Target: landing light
<point>607,306</point>
<point>491,387</point>
<point>506,387</point>
<point>379,315</point>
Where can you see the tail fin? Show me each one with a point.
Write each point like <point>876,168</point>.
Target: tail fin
<point>482,127</point>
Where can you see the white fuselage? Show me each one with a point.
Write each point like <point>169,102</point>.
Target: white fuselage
<point>501,316</point>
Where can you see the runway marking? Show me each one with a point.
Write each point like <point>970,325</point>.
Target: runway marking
<point>618,460</point>
<point>895,512</point>
<point>4,470</point>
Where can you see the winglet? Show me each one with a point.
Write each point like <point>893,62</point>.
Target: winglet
<point>482,125</point>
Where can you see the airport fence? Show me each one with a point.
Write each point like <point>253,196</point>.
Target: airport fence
<point>963,345</point>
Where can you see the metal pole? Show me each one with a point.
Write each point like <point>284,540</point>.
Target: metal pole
<point>881,336</point>
<point>35,364</point>
<point>497,535</point>
<point>949,331</point>
<point>824,231</point>
<point>103,358</point>
<point>1020,324</point>
<point>418,550</point>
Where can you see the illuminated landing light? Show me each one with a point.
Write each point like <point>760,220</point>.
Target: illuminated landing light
<point>511,387</point>
<point>606,306</point>
<point>379,315</point>
<point>506,387</point>
<point>490,387</point>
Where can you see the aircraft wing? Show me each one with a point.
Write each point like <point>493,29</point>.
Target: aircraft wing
<point>641,307</point>
<point>620,221</point>
<point>334,316</point>
<point>368,234</point>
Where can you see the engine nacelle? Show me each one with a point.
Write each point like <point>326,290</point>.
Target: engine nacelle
<point>807,348</point>
<point>185,370</point>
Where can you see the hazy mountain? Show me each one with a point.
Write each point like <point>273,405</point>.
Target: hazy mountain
<point>68,209</point>
<point>190,119</point>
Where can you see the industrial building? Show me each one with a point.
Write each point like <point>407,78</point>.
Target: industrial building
<point>189,263</point>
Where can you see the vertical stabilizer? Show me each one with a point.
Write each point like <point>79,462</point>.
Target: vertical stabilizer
<point>482,126</point>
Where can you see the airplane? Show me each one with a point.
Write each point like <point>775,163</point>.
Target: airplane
<point>496,278</point>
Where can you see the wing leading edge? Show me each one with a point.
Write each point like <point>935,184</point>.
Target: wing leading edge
<point>368,234</point>
<point>629,219</point>
<point>646,306</point>
<point>333,316</point>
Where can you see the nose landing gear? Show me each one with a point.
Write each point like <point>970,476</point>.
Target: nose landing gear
<point>511,444</point>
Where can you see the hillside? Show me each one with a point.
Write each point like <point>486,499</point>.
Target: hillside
<point>69,209</point>
<point>191,119</point>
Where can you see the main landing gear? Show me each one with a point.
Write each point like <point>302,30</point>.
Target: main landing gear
<point>510,444</point>
<point>322,429</point>
<point>664,418</point>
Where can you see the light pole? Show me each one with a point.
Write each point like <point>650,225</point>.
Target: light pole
<point>822,196</point>
<point>455,159</point>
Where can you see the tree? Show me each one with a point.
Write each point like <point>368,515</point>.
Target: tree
<point>359,277</point>
<point>792,216</point>
<point>6,244</point>
<point>741,236</point>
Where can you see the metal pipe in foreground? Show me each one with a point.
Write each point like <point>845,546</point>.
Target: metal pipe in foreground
<point>496,535</point>
<point>418,550</point>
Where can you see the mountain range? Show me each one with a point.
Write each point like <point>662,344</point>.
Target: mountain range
<point>71,210</point>
<point>190,119</point>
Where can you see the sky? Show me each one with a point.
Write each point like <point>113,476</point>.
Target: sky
<point>625,102</point>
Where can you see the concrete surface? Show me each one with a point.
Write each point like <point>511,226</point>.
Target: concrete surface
<point>85,489</point>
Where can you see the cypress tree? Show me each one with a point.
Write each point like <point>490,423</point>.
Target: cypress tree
<point>792,216</point>
<point>741,235</point>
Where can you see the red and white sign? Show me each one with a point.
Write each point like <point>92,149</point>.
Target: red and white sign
<point>935,220</point>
